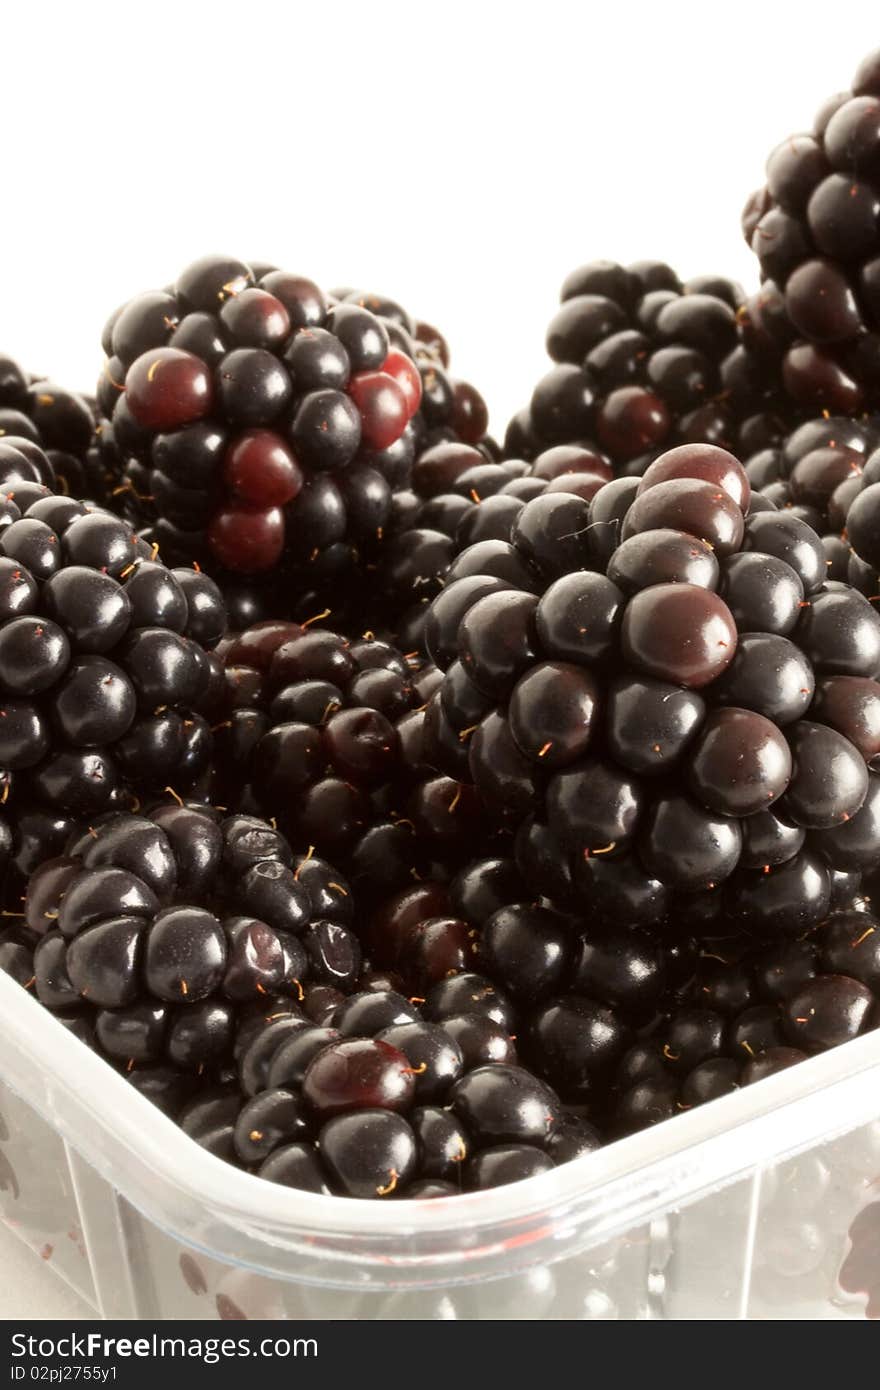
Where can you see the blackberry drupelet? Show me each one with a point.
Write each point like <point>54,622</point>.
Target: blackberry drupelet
<point>815,232</point>
<point>181,933</point>
<point>104,665</point>
<point>644,362</point>
<point>650,711</point>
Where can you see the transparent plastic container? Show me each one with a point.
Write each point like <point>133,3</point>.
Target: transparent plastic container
<point>764,1204</point>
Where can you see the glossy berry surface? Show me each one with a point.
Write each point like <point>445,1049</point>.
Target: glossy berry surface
<point>640,730</point>
<point>644,363</point>
<point>104,668</point>
<point>813,228</point>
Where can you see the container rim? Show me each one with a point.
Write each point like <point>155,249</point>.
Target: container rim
<point>705,1147</point>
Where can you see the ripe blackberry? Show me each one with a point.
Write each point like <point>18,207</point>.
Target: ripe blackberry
<point>572,995</point>
<point>61,424</point>
<point>854,510</point>
<point>749,1011</point>
<point>328,735</point>
<point>644,362</point>
<point>366,1106</point>
<point>178,932</point>
<point>648,742</point>
<point>457,518</point>
<point>264,428</point>
<point>103,666</point>
<point>814,230</point>
<point>456,499</point>
<point>817,473</point>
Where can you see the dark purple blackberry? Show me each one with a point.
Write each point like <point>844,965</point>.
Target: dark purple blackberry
<point>819,473</point>
<point>637,724</point>
<point>264,428</point>
<point>751,1011</point>
<point>330,736</point>
<point>457,500</point>
<point>814,230</point>
<point>177,931</point>
<point>364,1109</point>
<point>644,362</point>
<point>39,415</point>
<point>17,955</point>
<point>103,670</point>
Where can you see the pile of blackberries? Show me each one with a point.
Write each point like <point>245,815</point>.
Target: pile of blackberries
<point>402,815</point>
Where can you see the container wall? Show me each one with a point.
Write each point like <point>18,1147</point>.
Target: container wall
<point>710,1254</point>
<point>817,1240</point>
<point>38,1199</point>
<point>697,1219</point>
<point>174,1282</point>
<point>796,1239</point>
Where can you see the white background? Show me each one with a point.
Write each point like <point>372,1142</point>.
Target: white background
<point>460,156</point>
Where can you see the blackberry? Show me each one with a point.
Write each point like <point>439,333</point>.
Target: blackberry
<point>456,499</point>
<point>813,228</point>
<point>265,427</point>
<point>103,668</point>
<point>61,424</point>
<point>329,735</point>
<point>364,1108</point>
<point>750,1011</point>
<point>641,734</point>
<point>17,955</point>
<point>818,473</point>
<point>572,995</point>
<point>179,933</point>
<point>644,362</point>
<point>854,507</point>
